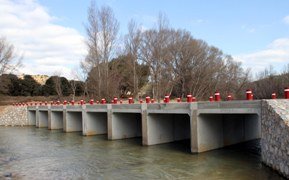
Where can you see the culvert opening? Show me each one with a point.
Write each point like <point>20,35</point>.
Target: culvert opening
<point>73,121</point>
<point>56,121</point>
<point>96,123</point>
<point>220,130</point>
<point>32,118</point>
<point>43,119</point>
<point>126,125</point>
<point>169,128</point>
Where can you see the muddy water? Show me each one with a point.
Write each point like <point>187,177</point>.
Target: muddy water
<point>37,153</point>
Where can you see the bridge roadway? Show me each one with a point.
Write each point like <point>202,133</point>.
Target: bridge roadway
<point>208,125</point>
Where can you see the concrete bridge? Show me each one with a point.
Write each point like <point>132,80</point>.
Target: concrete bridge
<point>208,125</point>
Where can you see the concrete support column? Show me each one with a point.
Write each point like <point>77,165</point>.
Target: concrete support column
<point>144,120</point>
<point>109,122</point>
<point>37,117</point>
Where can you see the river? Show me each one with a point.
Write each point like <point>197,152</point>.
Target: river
<point>38,153</point>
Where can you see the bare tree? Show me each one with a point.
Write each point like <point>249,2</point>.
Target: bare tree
<point>133,42</point>
<point>8,58</point>
<point>154,52</point>
<point>102,31</point>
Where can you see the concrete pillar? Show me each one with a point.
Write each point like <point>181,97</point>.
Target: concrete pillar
<point>94,123</point>
<point>31,117</point>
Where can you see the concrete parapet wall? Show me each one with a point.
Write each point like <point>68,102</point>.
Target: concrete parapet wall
<point>275,135</point>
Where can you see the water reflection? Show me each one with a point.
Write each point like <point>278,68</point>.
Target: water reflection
<point>38,153</point>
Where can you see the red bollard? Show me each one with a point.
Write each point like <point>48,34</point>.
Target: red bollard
<point>286,93</point>
<point>91,102</point>
<point>65,102</point>
<point>97,102</point>
<point>153,100</point>
<point>273,95</point>
<point>140,101</point>
<point>229,98</point>
<point>58,102</point>
<point>189,98</point>
<point>249,95</point>
<point>178,100</point>
<point>103,101</point>
<point>81,102</point>
<point>167,99</point>
<point>45,103</point>
<point>217,96</point>
<point>194,99</point>
<point>211,99</point>
<point>115,100</point>
<point>40,103</point>
<point>72,102</point>
<point>35,104</point>
<point>148,99</point>
<point>130,100</point>
<point>120,101</point>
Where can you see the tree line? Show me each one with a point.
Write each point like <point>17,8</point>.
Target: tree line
<point>11,85</point>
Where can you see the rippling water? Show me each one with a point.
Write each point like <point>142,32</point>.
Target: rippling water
<point>38,153</point>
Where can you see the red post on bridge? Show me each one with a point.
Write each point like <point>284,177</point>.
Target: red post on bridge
<point>273,96</point>
<point>64,102</point>
<point>178,100</point>
<point>217,96</point>
<point>229,97</point>
<point>130,100</point>
<point>211,99</point>
<point>153,100</point>
<point>286,93</point>
<point>249,94</point>
<point>115,100</point>
<point>91,101</point>
<point>148,99</point>
<point>189,98</point>
<point>167,99</point>
<point>103,101</point>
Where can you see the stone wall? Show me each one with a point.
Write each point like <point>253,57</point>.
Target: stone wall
<point>275,135</point>
<point>14,116</point>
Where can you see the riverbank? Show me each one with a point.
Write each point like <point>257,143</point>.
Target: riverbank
<point>11,116</point>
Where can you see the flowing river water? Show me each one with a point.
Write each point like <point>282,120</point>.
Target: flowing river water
<point>38,153</point>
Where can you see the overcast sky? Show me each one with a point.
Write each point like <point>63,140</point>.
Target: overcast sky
<point>50,33</point>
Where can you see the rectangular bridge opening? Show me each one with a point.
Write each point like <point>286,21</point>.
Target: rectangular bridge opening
<point>125,125</point>
<point>165,128</point>
<point>73,121</point>
<point>43,119</point>
<point>56,120</point>
<point>32,118</point>
<point>220,130</point>
<point>95,123</point>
